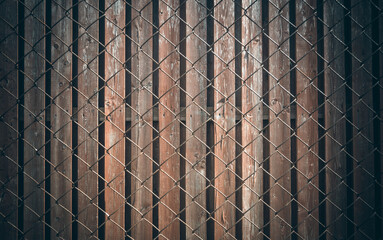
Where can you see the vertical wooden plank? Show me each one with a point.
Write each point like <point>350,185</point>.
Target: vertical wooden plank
<point>196,107</point>
<point>168,112</point>
<point>335,125</point>
<point>224,116</point>
<point>88,36</point>
<point>8,120</point>
<point>362,115</point>
<point>115,119</point>
<point>61,111</point>
<point>34,119</point>
<point>307,120</point>
<point>142,120</point>
<point>252,123</point>
<point>279,115</point>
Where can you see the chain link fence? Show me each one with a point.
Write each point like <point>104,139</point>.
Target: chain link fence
<point>191,119</point>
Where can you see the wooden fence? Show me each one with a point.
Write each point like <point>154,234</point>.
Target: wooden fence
<point>186,119</point>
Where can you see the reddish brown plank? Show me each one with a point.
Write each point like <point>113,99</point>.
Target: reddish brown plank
<point>169,127</point>
<point>142,120</point>
<point>224,116</point>
<point>363,132</point>
<point>252,123</point>
<point>8,122</point>
<point>34,119</point>
<point>196,116</point>
<point>334,124</point>
<point>307,120</point>
<point>279,115</point>
<point>88,36</point>
<point>115,119</point>
<point>61,111</point>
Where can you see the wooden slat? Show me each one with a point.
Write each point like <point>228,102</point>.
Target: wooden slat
<point>196,103</point>
<point>307,120</point>
<point>88,36</point>
<point>362,114</point>
<point>334,75</point>
<point>182,116</point>
<point>224,116</point>
<point>61,111</point>
<point>115,122</point>
<point>279,100</point>
<point>142,120</point>
<point>252,123</point>
<point>34,133</point>
<point>169,128</point>
<point>8,123</point>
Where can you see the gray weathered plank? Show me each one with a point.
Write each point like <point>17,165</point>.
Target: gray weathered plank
<point>61,111</point>
<point>88,37</point>
<point>335,106</point>
<point>8,122</point>
<point>34,118</point>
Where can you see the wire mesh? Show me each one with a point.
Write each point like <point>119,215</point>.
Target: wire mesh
<point>191,119</point>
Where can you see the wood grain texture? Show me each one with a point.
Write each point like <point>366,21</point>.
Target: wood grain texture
<point>196,117</point>
<point>169,126</point>
<point>34,119</point>
<point>352,143</point>
<point>224,117</point>
<point>115,119</point>
<point>142,120</point>
<point>280,142</point>
<point>88,37</point>
<point>61,111</point>
<point>307,120</point>
<point>252,123</point>
<point>363,133</point>
<point>8,120</point>
<point>182,116</point>
<point>335,108</point>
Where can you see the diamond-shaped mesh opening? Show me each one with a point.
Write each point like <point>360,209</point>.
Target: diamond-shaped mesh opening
<point>191,119</point>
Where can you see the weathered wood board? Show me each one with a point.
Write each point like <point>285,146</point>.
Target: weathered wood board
<point>169,126</point>
<point>224,119</point>
<point>115,119</point>
<point>142,119</point>
<point>252,122</point>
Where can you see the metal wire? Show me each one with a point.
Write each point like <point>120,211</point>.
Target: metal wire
<point>191,119</point>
